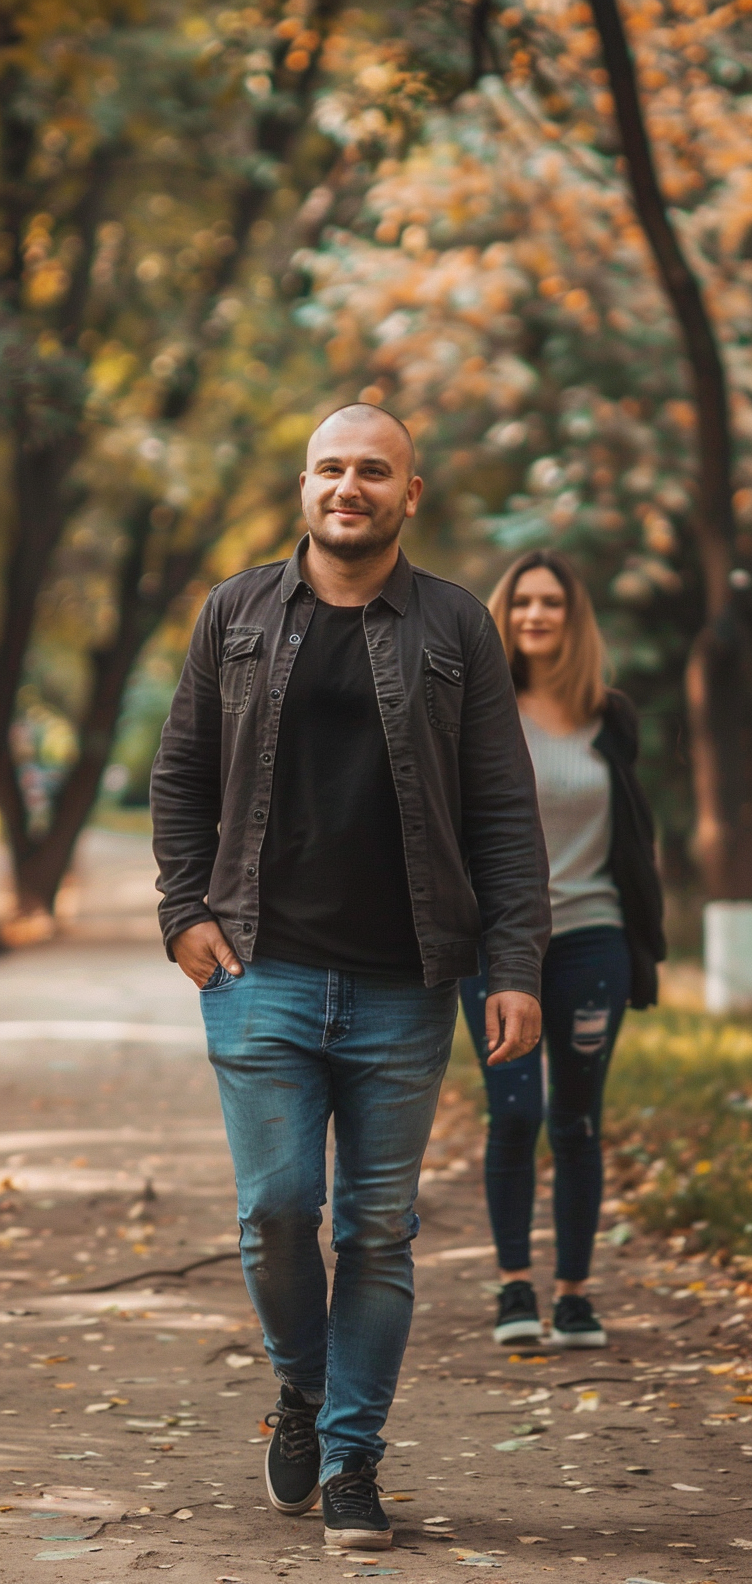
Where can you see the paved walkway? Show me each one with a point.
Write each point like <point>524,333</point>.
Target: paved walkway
<point>627,1464</point>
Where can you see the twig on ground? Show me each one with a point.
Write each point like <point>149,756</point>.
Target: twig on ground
<point>143,1275</point>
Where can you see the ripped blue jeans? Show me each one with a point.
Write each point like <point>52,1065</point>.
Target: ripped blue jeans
<point>585,988</point>
<point>292,1046</point>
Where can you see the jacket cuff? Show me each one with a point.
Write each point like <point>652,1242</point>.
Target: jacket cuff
<point>525,979</point>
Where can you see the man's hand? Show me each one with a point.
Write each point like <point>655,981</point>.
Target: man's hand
<point>513,1025</point>
<point>199,949</point>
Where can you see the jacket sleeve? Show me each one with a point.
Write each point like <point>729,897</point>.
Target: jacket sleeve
<point>501,824</point>
<point>186,787</point>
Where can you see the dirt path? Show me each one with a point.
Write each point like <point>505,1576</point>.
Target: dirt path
<point>130,1436</point>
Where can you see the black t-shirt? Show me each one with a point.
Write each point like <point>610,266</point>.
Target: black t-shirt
<point>332,876</point>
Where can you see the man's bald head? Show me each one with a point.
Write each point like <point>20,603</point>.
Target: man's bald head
<point>368,413</point>
<point>360,482</point>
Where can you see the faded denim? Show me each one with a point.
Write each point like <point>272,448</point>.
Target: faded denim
<point>292,1046</point>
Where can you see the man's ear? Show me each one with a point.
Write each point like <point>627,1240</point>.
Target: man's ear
<point>414,492</point>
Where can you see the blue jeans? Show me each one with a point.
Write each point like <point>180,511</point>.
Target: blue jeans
<point>292,1046</point>
<point>584,990</point>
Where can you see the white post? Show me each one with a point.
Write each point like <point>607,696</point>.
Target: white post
<point>728,956</point>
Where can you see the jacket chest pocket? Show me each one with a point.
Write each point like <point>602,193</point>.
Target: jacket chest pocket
<point>240,651</point>
<point>444,690</point>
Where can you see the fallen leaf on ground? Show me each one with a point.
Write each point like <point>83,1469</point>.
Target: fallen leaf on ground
<point>239,1360</point>
<point>744,1545</point>
<point>588,1401</point>
<point>531,1539</point>
<point>525,1445</point>
<point>687,1487</point>
<point>97,1407</point>
<point>183,1512</point>
<point>405,1443</point>
<point>264,1429</point>
<point>479,1560</point>
<point>59,1556</point>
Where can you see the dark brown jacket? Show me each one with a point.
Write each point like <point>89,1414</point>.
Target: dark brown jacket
<point>632,858</point>
<point>476,859</point>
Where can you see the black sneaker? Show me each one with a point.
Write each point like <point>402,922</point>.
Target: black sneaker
<point>518,1313</point>
<point>575,1325</point>
<point>353,1514</point>
<point>293,1455</point>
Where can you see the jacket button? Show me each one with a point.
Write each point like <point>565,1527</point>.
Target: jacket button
<point>456,673</point>
<point>275,693</point>
<point>266,758</point>
<point>258,814</point>
<point>250,869</point>
<point>247,929</point>
<point>294,638</point>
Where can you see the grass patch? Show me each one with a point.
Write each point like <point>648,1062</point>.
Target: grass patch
<point>678,1127</point>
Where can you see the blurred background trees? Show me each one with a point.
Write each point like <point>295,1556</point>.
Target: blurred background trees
<point>219,224</point>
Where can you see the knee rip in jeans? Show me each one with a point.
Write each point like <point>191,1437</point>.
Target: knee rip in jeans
<point>590,1030</point>
<point>565,1134</point>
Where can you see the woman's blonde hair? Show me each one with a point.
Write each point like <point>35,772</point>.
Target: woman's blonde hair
<point>577,678</point>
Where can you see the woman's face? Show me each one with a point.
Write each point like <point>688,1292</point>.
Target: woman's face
<point>538,614</point>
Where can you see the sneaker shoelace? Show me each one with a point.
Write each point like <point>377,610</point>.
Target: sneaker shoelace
<point>514,1295</point>
<point>576,1307</point>
<point>297,1432</point>
<point>350,1493</point>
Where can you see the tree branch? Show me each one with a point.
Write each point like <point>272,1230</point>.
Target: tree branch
<point>715,518</point>
<point>483,51</point>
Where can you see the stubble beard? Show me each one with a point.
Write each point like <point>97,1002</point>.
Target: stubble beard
<point>362,544</point>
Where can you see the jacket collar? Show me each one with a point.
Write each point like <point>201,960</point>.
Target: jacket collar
<point>396,590</point>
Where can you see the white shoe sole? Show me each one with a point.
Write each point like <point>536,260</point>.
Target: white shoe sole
<point>292,1509</point>
<point>577,1339</point>
<point>514,1330</point>
<point>365,1539</point>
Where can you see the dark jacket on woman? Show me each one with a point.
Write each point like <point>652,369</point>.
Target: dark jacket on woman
<point>632,858</point>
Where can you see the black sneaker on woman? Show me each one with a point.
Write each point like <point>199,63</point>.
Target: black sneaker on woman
<point>293,1455</point>
<point>518,1313</point>
<point>353,1514</point>
<point>575,1325</point>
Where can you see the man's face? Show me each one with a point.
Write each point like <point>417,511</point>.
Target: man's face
<point>358,486</point>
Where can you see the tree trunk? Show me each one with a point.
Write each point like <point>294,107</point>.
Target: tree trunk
<point>42,511</point>
<point>719,673</point>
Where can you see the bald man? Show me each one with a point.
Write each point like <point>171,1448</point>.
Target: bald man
<point>344,808</point>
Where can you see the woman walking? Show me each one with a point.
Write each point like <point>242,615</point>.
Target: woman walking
<point>607,938</point>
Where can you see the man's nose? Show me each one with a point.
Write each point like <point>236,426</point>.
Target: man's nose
<point>349,483</point>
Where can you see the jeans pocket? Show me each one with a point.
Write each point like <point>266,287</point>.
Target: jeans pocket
<point>219,980</point>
